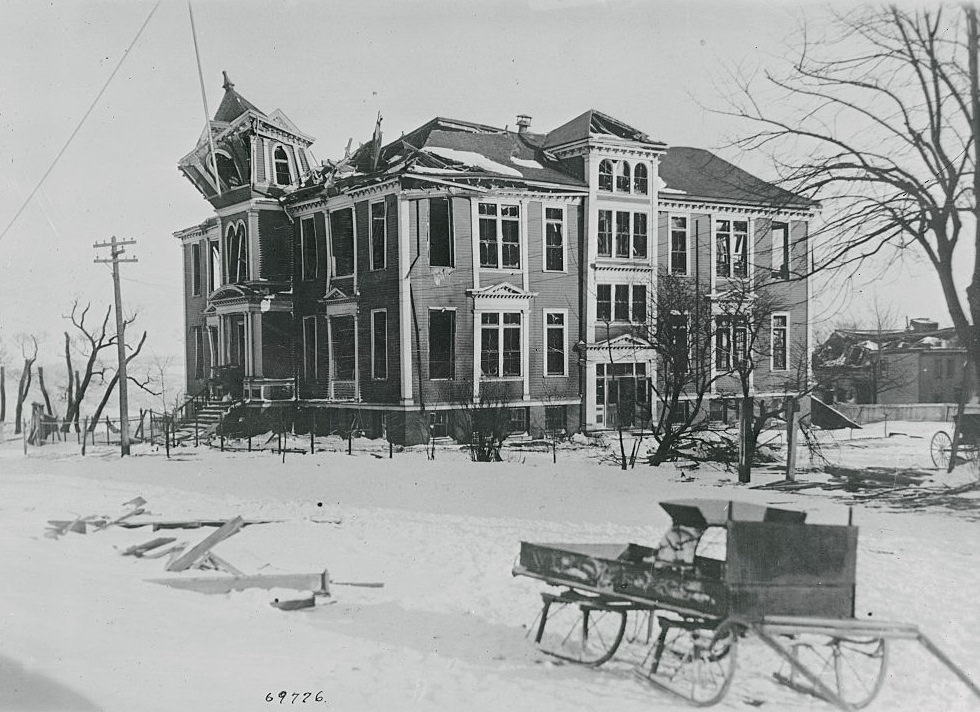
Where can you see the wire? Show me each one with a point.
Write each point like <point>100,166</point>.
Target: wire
<point>80,123</point>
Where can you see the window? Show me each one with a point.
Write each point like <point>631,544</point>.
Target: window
<point>281,162</point>
<point>780,250</point>
<point>500,344</point>
<point>639,303</point>
<point>605,233</point>
<point>228,171</point>
<point>731,247</point>
<point>500,230</point>
<point>603,311</point>
<point>555,418</point>
<point>517,421</point>
<point>342,241</point>
<point>342,334</point>
<point>439,423</point>
<point>606,176</point>
<point>442,344</point>
<point>214,264</point>
<point>236,254</point>
<point>640,235</point>
<point>621,302</point>
<point>676,330</point>
<point>196,269</point>
<point>379,344</point>
<point>441,247</point>
<point>678,245</point>
<point>622,233</point>
<point>555,343</point>
<point>731,342</point>
<point>554,240</point>
<point>623,177</point>
<point>310,371</point>
<point>780,345</point>
<point>378,235</point>
<point>640,179</point>
<point>198,352</point>
<point>310,236</point>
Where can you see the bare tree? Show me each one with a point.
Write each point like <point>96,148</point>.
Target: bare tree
<point>24,386</point>
<point>484,419</point>
<point>879,120</point>
<point>115,380</point>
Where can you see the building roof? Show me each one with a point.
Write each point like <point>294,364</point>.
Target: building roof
<point>694,173</point>
<point>854,348</point>
<point>595,123</point>
<point>233,104</point>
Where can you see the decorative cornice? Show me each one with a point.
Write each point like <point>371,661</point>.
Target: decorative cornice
<point>626,267</point>
<point>694,205</point>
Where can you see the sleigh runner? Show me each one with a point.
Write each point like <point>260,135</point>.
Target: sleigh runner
<point>724,570</point>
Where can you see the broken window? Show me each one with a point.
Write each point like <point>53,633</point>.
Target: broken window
<point>780,347</point>
<point>378,235</point>
<point>500,236</point>
<point>379,344</point>
<point>623,177</point>
<point>780,250</point>
<point>606,175</point>
<point>309,248</point>
<point>214,265</point>
<point>731,248</point>
<point>309,348</point>
<point>605,233</point>
<point>442,344</point>
<point>236,254</point>
<point>622,233</point>
<point>441,252</point>
<point>640,183</point>
<point>678,245</point>
<point>555,342</point>
<point>342,336</point>
<point>554,239</point>
<point>228,171</point>
<point>603,302</point>
<point>640,235</point>
<point>342,241</point>
<point>281,161</point>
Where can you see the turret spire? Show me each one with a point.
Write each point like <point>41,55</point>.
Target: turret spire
<point>228,84</point>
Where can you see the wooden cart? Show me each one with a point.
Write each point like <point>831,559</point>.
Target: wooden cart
<point>964,443</point>
<point>724,570</point>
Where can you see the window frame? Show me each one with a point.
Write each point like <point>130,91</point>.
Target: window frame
<point>772,341</point>
<point>607,176</point>
<point>606,216</point>
<point>670,244</point>
<point>501,328</point>
<point>624,177</point>
<point>687,336</point>
<point>200,363</point>
<point>373,221</point>
<point>499,219</point>
<point>781,274</point>
<point>731,234</point>
<point>629,303</point>
<point>305,274</point>
<point>547,329</point>
<point>353,242</point>
<point>450,231</point>
<point>452,344</point>
<point>639,189</point>
<point>307,320</point>
<point>547,249</point>
<point>374,345</point>
<point>276,162</point>
<point>334,371</point>
<point>196,269</point>
<point>236,235</point>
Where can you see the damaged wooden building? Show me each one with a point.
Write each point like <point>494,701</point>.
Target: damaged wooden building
<point>398,286</point>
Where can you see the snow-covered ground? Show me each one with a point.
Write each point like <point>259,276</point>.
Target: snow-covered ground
<point>81,628</point>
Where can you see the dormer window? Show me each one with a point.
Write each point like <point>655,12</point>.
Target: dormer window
<point>606,176</point>
<point>228,171</point>
<point>281,161</point>
<point>640,179</point>
<point>623,177</point>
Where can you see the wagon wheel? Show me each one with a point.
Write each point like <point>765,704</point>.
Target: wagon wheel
<point>852,668</point>
<point>693,662</point>
<point>941,447</point>
<point>583,632</point>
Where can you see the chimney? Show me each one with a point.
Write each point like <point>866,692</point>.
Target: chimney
<point>523,122</point>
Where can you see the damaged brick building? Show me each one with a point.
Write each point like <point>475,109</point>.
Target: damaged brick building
<point>408,280</point>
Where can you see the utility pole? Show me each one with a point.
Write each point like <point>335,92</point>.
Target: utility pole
<point>118,247</point>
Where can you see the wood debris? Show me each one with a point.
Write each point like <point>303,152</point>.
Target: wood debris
<point>191,557</point>
<point>139,550</point>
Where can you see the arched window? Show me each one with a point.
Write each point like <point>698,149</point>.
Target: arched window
<point>623,177</point>
<point>606,176</point>
<point>640,179</point>
<point>282,166</point>
<point>236,254</point>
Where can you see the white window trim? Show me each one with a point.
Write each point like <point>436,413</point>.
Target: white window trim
<point>375,376</point>
<point>687,236</point>
<point>631,224</point>
<point>306,349</point>
<point>521,211</point>
<point>629,177</point>
<point>633,178</point>
<point>772,342</point>
<point>564,329</point>
<point>478,319</point>
<point>371,266</point>
<point>787,244</point>
<point>225,262</point>
<point>454,310</point>
<point>293,175</point>
<point>612,303</point>
<point>564,238</point>
<point>731,247</point>
<point>452,233</point>
<point>197,271</point>
<point>329,239</point>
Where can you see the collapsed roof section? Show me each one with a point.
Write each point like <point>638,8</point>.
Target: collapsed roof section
<point>594,124</point>
<point>856,348</point>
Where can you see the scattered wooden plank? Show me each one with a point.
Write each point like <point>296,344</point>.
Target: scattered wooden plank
<point>189,558</point>
<point>192,523</point>
<point>294,604</point>
<point>220,564</point>
<point>139,549</point>
<point>894,477</point>
<point>224,584</point>
<point>166,552</point>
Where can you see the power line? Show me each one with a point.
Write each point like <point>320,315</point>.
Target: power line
<point>80,123</point>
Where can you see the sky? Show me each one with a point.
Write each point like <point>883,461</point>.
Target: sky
<point>331,67</point>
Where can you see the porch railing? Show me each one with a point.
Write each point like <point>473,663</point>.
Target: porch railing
<point>269,389</point>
